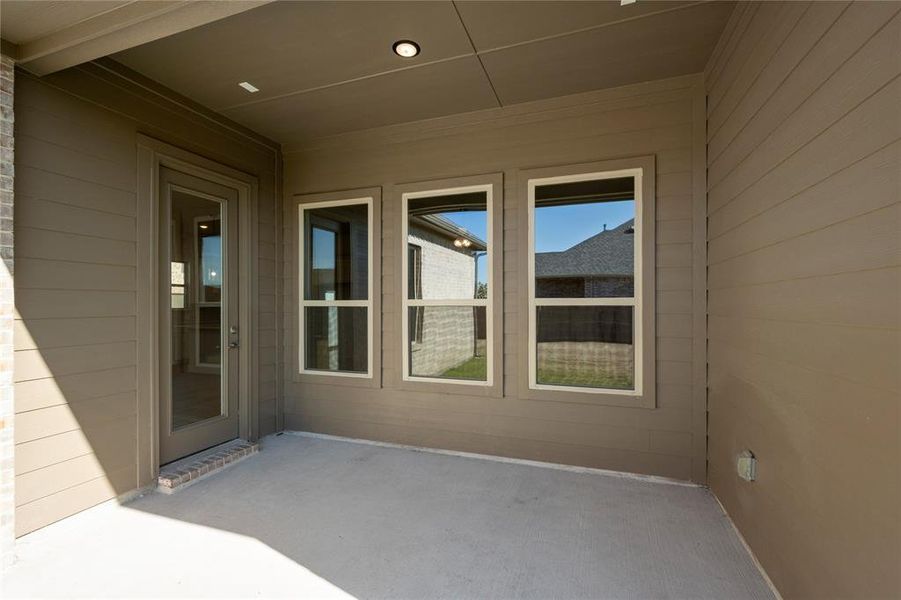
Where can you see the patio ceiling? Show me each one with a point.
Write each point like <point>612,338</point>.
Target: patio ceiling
<point>325,68</point>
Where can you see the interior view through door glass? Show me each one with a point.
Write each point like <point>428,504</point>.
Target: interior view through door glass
<point>196,279</point>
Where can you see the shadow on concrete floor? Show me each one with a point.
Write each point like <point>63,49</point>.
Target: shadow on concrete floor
<point>312,517</point>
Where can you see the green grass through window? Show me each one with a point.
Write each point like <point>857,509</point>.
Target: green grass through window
<point>475,368</point>
<point>584,378</point>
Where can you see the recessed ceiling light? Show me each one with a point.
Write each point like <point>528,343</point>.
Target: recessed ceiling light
<point>204,226</point>
<point>249,87</point>
<point>406,48</point>
<point>625,2</point>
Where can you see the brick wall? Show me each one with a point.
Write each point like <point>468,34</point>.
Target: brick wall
<point>447,272</point>
<point>7,443</point>
<point>609,287</point>
<point>448,332</point>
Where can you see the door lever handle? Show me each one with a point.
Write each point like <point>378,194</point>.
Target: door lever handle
<point>233,344</point>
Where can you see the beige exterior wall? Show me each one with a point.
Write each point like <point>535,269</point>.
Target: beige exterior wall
<point>664,119</point>
<point>76,281</point>
<point>804,138</point>
<point>7,312</point>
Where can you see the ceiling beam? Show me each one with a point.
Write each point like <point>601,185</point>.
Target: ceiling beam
<point>121,28</point>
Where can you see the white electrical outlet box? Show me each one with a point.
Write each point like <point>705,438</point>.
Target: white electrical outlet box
<point>747,466</point>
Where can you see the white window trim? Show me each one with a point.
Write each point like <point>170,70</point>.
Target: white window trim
<point>303,303</point>
<point>634,301</point>
<point>406,302</point>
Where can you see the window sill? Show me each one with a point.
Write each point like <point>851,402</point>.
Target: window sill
<point>335,379</point>
<point>459,387</point>
<point>625,399</point>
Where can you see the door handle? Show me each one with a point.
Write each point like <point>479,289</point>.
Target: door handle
<point>233,345</point>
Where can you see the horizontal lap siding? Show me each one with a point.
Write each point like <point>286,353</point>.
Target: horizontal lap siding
<point>75,332</point>
<point>76,280</point>
<point>656,119</point>
<point>804,140</point>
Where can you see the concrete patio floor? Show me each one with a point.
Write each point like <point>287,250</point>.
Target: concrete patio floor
<point>311,517</point>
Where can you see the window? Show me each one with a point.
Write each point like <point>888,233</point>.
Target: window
<point>335,317</point>
<point>447,329</point>
<point>585,283</point>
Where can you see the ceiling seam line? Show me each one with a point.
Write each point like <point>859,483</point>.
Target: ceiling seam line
<point>594,27</point>
<point>344,82</point>
<point>476,52</point>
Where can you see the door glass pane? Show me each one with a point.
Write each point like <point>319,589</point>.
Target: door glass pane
<point>586,346</point>
<point>209,257</point>
<point>336,338</point>
<point>448,342</point>
<point>447,247</point>
<point>585,239</point>
<point>196,281</point>
<point>336,261</point>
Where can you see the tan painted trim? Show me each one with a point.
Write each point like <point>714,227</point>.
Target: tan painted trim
<point>277,215</point>
<point>495,387</point>
<point>146,322</point>
<point>699,283</point>
<point>749,550</point>
<point>647,394</point>
<point>120,28</point>
<point>374,377</point>
<point>152,154</point>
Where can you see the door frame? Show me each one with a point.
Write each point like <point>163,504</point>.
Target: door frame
<point>153,154</point>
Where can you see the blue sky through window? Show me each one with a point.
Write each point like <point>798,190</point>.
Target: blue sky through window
<point>323,248</point>
<point>558,228</point>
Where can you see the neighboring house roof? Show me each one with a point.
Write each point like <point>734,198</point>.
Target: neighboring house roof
<point>450,229</point>
<point>607,253</point>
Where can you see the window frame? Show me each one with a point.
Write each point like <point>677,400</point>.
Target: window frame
<point>370,303</point>
<point>393,313</point>
<point>643,299</point>
<point>407,302</point>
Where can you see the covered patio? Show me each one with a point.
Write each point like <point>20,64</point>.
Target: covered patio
<point>450,299</point>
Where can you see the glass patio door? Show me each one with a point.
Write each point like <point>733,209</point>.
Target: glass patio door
<point>199,339</point>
